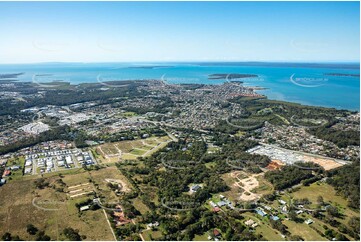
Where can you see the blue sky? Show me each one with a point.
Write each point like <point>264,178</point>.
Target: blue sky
<point>179,31</point>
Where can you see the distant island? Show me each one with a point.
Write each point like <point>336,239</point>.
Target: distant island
<point>10,76</point>
<point>44,75</point>
<point>229,76</point>
<point>342,74</point>
<point>149,67</point>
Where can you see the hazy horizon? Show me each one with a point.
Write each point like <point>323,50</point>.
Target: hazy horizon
<point>184,62</point>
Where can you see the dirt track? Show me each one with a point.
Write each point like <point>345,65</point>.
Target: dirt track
<point>325,163</point>
<point>247,184</point>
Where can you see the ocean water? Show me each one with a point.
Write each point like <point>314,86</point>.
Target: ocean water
<point>302,83</point>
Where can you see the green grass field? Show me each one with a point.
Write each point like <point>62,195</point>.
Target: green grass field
<point>19,161</point>
<point>329,195</point>
<point>129,157</point>
<point>203,237</point>
<point>320,189</point>
<point>137,152</point>
<point>210,164</point>
<point>146,147</point>
<point>140,206</point>
<point>303,230</point>
<point>151,235</point>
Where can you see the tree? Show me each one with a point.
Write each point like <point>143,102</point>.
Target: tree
<point>320,200</point>
<point>296,238</point>
<point>41,183</point>
<point>292,215</point>
<point>346,181</point>
<point>332,211</point>
<point>6,237</point>
<point>31,229</point>
<point>16,238</point>
<point>354,224</point>
<point>340,237</point>
<point>71,234</point>
<point>41,236</point>
<point>279,226</point>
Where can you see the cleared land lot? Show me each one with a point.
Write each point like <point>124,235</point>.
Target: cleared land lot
<point>130,150</point>
<point>327,164</point>
<point>17,210</point>
<point>18,197</point>
<point>245,186</point>
<point>290,156</point>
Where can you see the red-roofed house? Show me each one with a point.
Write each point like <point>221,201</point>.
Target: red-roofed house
<point>7,173</point>
<point>216,209</point>
<point>216,233</point>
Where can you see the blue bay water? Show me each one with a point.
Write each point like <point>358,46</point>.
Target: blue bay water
<point>306,84</point>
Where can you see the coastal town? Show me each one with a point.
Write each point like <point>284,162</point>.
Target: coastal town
<point>180,121</point>
<point>98,148</point>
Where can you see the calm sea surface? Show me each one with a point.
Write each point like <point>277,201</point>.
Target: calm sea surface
<point>303,83</point>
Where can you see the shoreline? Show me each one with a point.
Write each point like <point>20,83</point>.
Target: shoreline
<point>257,88</point>
<point>63,83</point>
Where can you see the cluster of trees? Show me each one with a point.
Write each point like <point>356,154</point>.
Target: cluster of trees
<point>288,109</point>
<point>279,226</point>
<point>9,237</point>
<point>128,232</point>
<point>62,132</point>
<point>40,235</point>
<point>129,210</point>
<point>41,183</point>
<point>342,138</point>
<point>2,169</point>
<point>172,186</point>
<point>288,176</point>
<point>66,95</point>
<point>311,180</point>
<point>85,93</point>
<point>198,221</point>
<point>236,155</point>
<point>331,234</point>
<point>346,181</point>
<point>72,234</point>
<point>353,227</point>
